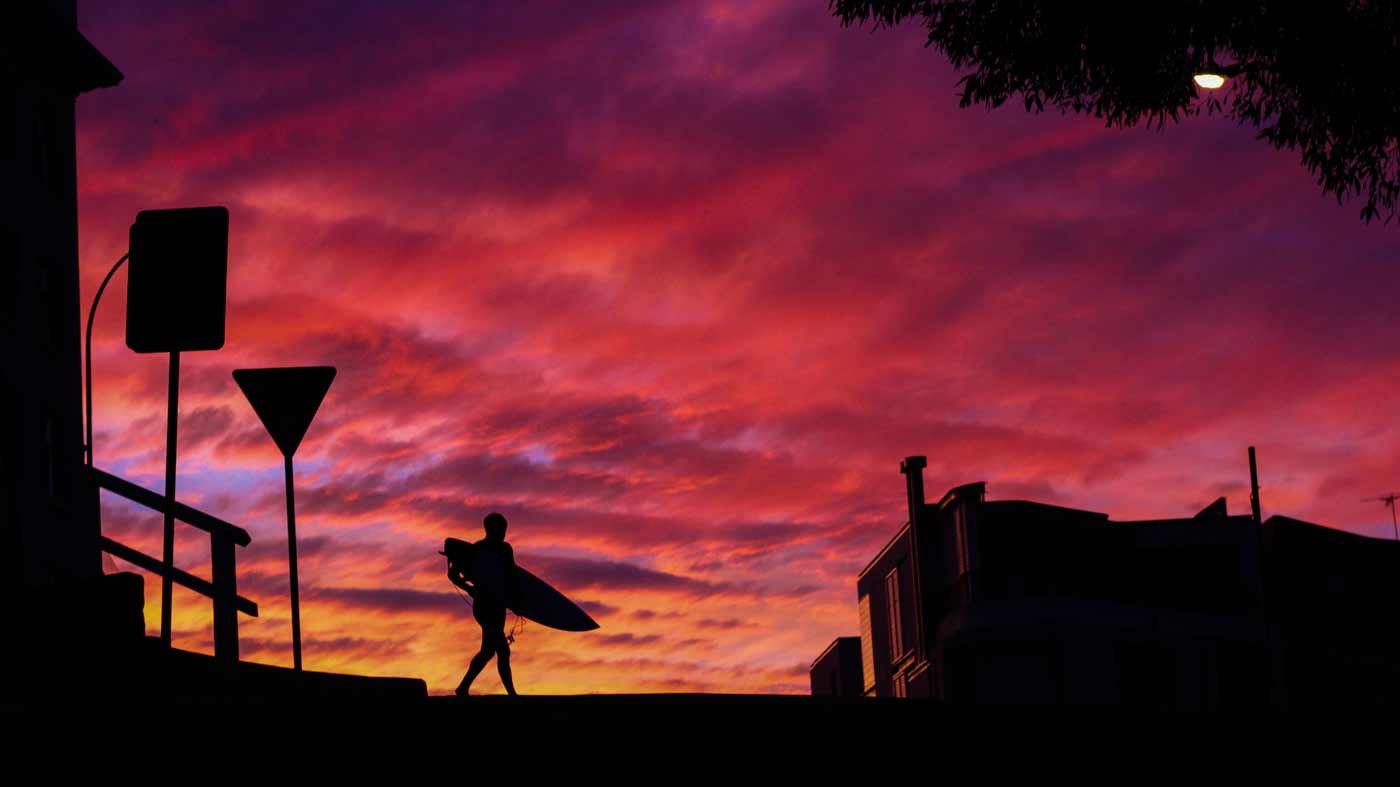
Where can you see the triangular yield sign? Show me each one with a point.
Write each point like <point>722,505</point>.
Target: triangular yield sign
<point>286,399</point>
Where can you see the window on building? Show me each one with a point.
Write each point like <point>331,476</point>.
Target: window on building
<point>894,608</point>
<point>867,644</point>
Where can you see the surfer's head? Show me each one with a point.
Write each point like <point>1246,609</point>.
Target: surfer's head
<point>495,525</point>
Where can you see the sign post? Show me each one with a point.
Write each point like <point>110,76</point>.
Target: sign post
<point>176,299</point>
<point>286,400</point>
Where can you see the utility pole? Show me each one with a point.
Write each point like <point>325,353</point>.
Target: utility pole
<point>1278,693</point>
<point>1258,521</point>
<point>1254,489</point>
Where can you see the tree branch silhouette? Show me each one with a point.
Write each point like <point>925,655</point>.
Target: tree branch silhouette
<point>1313,77</point>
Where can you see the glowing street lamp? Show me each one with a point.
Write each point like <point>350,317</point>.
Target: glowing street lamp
<point>1209,79</point>
<point>1208,73</point>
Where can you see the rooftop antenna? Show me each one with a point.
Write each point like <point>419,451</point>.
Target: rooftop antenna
<point>1389,500</point>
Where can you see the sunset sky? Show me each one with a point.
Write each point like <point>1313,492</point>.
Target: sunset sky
<point>675,286</point>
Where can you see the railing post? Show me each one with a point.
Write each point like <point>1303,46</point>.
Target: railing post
<point>225,595</point>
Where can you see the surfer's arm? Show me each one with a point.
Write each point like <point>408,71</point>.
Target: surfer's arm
<point>460,580</point>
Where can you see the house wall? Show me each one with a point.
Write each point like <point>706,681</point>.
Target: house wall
<point>1030,604</point>
<point>48,518</point>
<point>888,664</point>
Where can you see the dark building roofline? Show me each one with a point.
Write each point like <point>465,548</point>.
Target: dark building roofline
<point>98,70</point>
<point>1216,509</point>
<point>883,551</point>
<point>1213,513</point>
<point>976,488</point>
<point>1186,520</point>
<point>1332,532</point>
<point>36,39</point>
<point>1047,507</point>
<point>828,649</point>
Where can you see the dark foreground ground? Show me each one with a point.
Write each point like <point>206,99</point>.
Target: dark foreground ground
<point>157,705</point>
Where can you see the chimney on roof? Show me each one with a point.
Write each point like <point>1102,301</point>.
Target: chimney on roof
<point>913,469</point>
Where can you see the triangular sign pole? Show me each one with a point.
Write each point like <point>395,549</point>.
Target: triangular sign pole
<point>286,400</point>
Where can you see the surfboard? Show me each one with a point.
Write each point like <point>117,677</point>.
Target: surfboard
<point>534,599</point>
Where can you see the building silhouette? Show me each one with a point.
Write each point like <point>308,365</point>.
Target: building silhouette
<point>836,672</point>
<point>1016,602</point>
<point>81,630</point>
<point>49,525</point>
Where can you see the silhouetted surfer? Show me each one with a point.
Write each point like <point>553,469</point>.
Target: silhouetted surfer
<point>492,574</point>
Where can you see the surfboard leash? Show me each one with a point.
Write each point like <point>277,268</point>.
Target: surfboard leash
<point>515,629</point>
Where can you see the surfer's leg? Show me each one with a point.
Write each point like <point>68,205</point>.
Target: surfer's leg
<point>503,664</point>
<point>478,661</point>
<point>477,665</point>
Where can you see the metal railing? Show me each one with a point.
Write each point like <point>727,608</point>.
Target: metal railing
<point>223,537</point>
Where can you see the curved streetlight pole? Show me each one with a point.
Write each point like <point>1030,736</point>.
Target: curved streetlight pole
<point>87,355</point>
